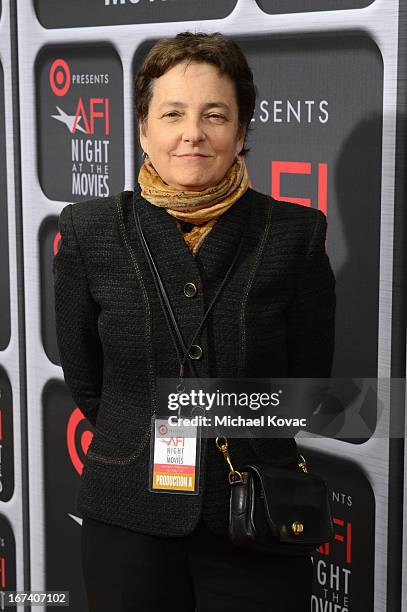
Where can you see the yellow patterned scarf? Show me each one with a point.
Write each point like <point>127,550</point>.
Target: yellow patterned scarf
<point>201,208</point>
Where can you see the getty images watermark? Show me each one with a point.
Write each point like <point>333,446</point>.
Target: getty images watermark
<point>343,408</point>
<point>220,402</point>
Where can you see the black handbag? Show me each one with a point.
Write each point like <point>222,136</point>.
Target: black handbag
<point>275,509</point>
<point>278,509</point>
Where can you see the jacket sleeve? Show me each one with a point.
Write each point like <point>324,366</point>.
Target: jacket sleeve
<point>311,315</point>
<point>310,332</point>
<point>76,315</point>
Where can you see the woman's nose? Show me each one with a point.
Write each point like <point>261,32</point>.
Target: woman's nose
<point>193,131</point>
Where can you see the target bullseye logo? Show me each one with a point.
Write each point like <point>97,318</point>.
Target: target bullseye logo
<point>56,243</point>
<point>78,438</point>
<point>163,429</point>
<point>60,77</point>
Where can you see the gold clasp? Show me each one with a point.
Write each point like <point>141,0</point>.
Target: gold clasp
<point>303,464</point>
<point>297,528</point>
<point>234,475</point>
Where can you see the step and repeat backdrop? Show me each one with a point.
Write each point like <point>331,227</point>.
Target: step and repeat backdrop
<point>324,134</point>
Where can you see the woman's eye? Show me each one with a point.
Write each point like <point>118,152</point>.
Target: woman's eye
<point>216,116</point>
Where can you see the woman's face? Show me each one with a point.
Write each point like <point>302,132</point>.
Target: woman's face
<point>191,134</point>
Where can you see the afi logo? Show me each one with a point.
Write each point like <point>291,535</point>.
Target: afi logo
<point>285,167</point>
<point>343,535</point>
<point>176,441</point>
<point>98,108</point>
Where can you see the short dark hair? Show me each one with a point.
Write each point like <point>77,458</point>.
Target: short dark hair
<point>189,47</point>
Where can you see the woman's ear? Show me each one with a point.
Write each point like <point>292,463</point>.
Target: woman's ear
<point>241,137</point>
<point>142,128</point>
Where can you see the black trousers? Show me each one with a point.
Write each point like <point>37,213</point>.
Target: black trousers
<point>127,571</point>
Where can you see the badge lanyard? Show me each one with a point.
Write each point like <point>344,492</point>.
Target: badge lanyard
<point>166,305</point>
<point>174,457</point>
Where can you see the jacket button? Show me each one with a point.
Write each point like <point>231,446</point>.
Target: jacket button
<point>195,352</point>
<point>190,289</point>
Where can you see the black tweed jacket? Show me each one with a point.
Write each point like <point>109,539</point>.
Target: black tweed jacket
<point>274,318</point>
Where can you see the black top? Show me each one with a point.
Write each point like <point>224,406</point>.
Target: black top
<point>186,226</point>
<point>274,318</point>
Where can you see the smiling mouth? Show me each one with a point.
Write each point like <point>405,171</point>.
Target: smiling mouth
<point>193,156</point>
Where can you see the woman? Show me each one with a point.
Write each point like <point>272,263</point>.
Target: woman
<point>143,550</point>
